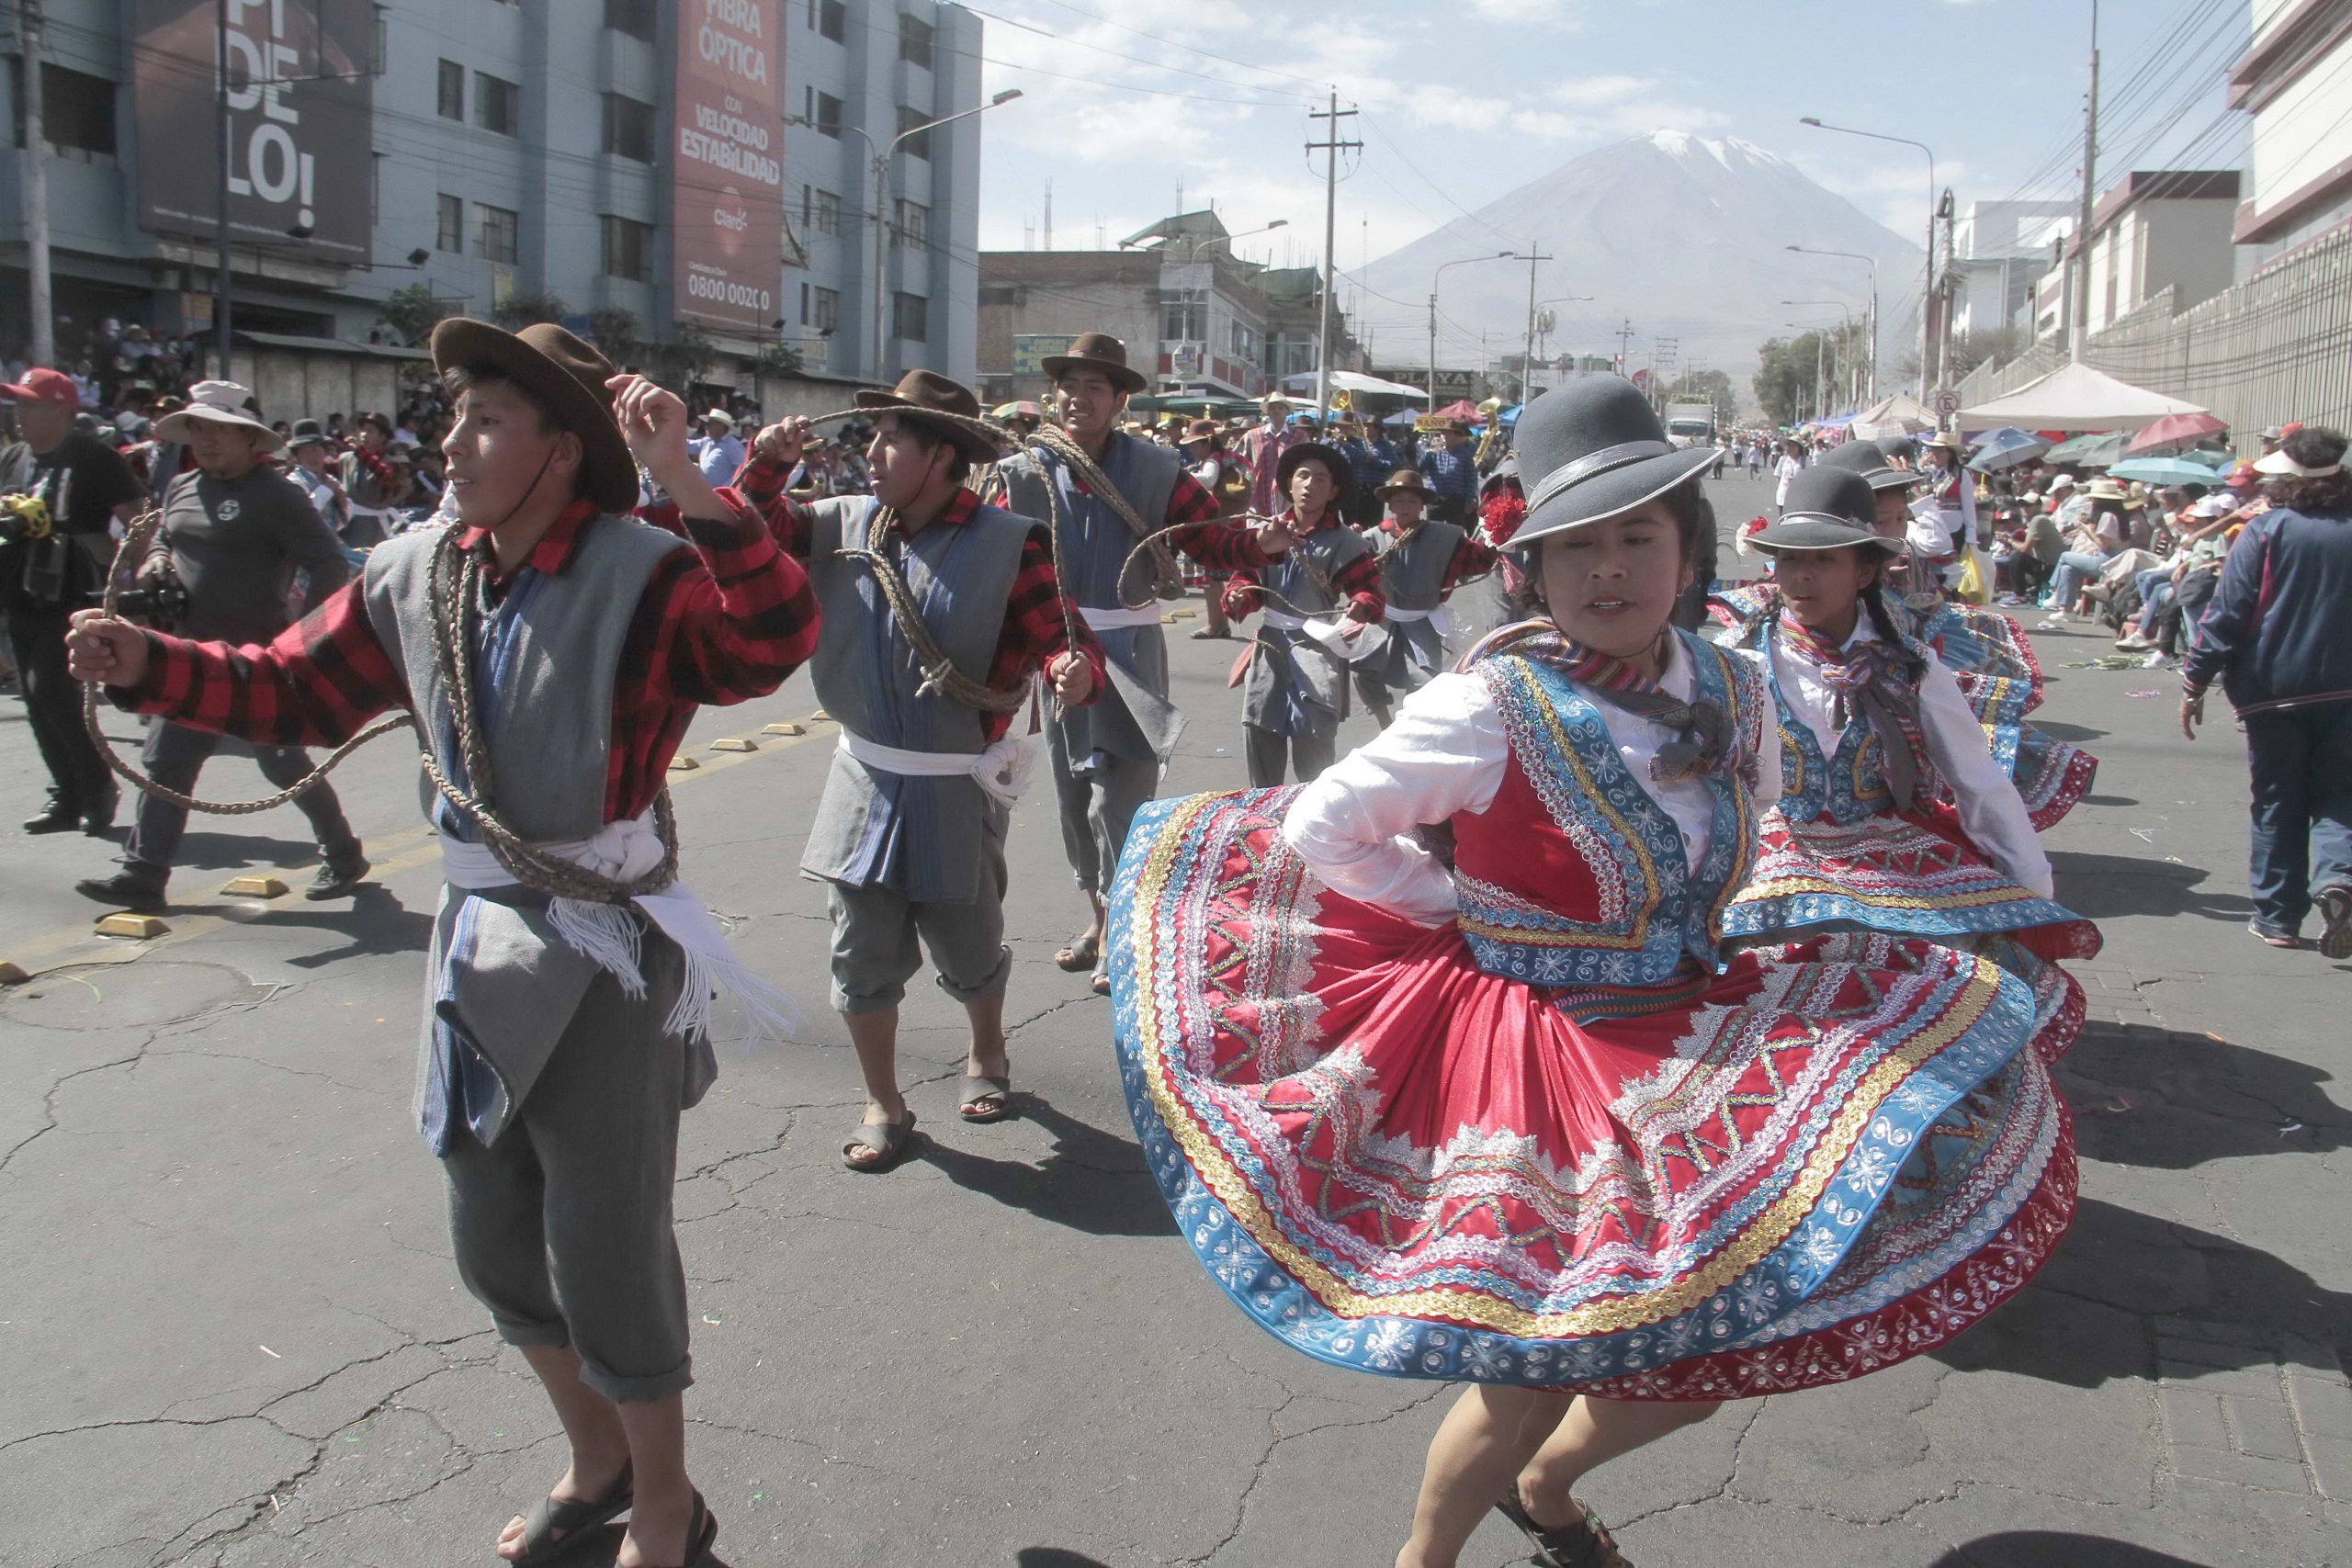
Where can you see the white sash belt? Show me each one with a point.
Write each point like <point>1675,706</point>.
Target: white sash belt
<point>1282,620</point>
<point>1002,769</point>
<point>1109,620</point>
<point>624,852</point>
<point>1442,621</point>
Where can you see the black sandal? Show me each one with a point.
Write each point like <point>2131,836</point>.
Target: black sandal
<point>702,1533</point>
<point>1583,1542</point>
<point>987,1098</point>
<point>1081,953</point>
<point>555,1525</point>
<point>889,1141</point>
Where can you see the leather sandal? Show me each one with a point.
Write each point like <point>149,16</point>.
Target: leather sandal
<point>986,1098</point>
<point>555,1525</point>
<point>888,1141</point>
<point>1582,1542</point>
<point>1081,953</point>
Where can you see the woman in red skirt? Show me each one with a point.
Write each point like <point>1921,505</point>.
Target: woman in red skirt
<point>1442,1067</point>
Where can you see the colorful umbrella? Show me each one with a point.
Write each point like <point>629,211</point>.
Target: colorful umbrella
<point>2006,448</point>
<point>2173,431</point>
<point>2088,451</point>
<point>2163,471</point>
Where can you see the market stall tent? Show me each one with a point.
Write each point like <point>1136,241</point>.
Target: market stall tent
<point>2076,397</point>
<point>1899,414</point>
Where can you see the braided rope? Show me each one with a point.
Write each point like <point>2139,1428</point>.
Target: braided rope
<point>940,674</point>
<point>133,547</point>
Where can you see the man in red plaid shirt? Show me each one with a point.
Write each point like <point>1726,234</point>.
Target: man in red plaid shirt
<point>566,1019</point>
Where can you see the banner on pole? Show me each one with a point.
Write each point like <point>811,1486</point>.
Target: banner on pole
<point>727,167</point>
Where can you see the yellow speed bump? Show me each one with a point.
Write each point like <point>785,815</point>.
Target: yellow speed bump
<point>787,727</point>
<point>683,764</point>
<point>734,743</point>
<point>143,928</point>
<point>254,888</point>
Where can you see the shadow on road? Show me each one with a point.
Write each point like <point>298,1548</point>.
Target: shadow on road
<point>2087,1319</point>
<point>2101,887</point>
<point>1054,1557</point>
<point>2055,1549</point>
<point>234,851</point>
<point>2173,1101</point>
<point>1093,1181</point>
<point>2077,733</point>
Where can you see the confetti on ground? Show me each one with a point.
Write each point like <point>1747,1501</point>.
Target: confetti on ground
<point>2148,691</point>
<point>2145,835</point>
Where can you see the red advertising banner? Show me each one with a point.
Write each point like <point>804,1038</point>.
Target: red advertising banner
<point>727,165</point>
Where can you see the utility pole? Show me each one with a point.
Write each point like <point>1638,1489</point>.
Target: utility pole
<point>1527,355</point>
<point>1330,147</point>
<point>1624,346</point>
<point>44,315</point>
<point>2082,322</point>
<point>221,288</point>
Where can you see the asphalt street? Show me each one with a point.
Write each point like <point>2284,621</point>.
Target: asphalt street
<point>230,1331</point>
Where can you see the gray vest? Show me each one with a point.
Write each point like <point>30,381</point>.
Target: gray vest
<point>921,836</point>
<point>1095,545</point>
<point>1295,686</point>
<point>1412,571</point>
<point>1095,542</point>
<point>544,667</point>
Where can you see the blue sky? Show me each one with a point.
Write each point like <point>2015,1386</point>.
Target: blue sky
<point>1465,99</point>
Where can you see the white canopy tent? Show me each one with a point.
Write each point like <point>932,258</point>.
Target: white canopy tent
<point>1355,381</point>
<point>2076,397</point>
<point>1900,414</point>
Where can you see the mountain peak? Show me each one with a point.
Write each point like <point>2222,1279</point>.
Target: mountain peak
<point>1728,151</point>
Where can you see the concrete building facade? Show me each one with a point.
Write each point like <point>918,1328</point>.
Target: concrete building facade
<point>2152,231</point>
<point>2294,81</point>
<point>520,152</point>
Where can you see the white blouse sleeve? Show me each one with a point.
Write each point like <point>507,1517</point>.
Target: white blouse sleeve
<point>1992,813</point>
<point>1445,754</point>
<point>1767,737</point>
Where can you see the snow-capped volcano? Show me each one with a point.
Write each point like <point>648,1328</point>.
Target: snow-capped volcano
<point>1685,236</point>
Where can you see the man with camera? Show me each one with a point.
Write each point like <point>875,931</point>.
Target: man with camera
<point>54,548</point>
<point>233,533</point>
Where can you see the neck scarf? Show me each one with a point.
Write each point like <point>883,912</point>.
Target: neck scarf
<point>1703,731</point>
<point>1881,681</point>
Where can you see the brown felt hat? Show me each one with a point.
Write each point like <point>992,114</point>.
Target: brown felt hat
<point>566,374</point>
<point>1403,479</point>
<point>1203,430</point>
<point>927,391</point>
<point>1098,351</point>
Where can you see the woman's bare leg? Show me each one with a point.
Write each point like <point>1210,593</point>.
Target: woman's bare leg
<point>1489,1434</point>
<point>1591,1433</point>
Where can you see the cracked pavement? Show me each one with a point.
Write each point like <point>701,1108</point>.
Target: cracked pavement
<point>230,1333</point>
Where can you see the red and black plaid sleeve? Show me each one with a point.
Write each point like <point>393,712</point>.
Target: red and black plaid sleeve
<point>1219,543</point>
<point>1471,557</point>
<point>1360,580</point>
<point>762,487</point>
<point>723,623</point>
<point>1036,631</point>
<point>317,683</point>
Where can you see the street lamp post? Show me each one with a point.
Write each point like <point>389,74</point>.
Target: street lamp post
<point>1837,305</point>
<point>1543,331</point>
<point>1926,291</point>
<point>1465,261</point>
<point>881,171</point>
<point>1192,253</point>
<point>1870,262</point>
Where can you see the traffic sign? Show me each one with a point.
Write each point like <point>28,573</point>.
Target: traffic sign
<point>1947,403</point>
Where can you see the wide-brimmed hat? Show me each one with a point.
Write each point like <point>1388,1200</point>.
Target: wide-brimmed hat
<point>1203,430</point>
<point>1505,471</point>
<point>219,403</point>
<point>307,433</point>
<point>719,416</point>
<point>1313,452</point>
<point>1276,396</point>
<point>2105,489</point>
<point>1404,479</point>
<point>1863,457</point>
<point>922,393</point>
<point>1897,448</point>
<point>1948,440</point>
<point>568,377</point>
<point>1098,351</point>
<point>1454,427</point>
<point>1593,450</point>
<point>1829,508</point>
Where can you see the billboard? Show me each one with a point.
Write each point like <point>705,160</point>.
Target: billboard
<point>300,80</point>
<point>1029,350</point>
<point>727,167</point>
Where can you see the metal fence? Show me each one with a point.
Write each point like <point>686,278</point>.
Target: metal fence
<point>2274,349</point>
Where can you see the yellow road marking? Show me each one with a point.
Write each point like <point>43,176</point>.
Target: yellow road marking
<point>409,848</point>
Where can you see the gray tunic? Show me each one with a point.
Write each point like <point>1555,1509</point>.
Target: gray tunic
<point>922,837</point>
<point>1412,577</point>
<point>1295,686</point>
<point>1095,543</point>
<point>545,658</point>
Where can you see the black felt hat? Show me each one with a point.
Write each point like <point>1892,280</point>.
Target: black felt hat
<point>1313,452</point>
<point>1864,458</point>
<point>1593,450</point>
<point>1829,508</point>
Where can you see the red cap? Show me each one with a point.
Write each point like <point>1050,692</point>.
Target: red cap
<point>44,386</point>
<point>2243,476</point>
